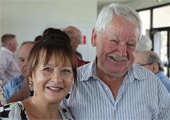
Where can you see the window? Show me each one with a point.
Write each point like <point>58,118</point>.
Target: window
<point>161,17</point>
<point>145,17</point>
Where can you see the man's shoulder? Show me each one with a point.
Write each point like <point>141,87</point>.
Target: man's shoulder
<point>143,73</point>
<point>162,76</point>
<point>13,81</point>
<point>4,55</point>
<point>84,72</point>
<point>84,69</point>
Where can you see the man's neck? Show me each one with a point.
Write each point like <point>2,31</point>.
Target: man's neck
<point>112,82</point>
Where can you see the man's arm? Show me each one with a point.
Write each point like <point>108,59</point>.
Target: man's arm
<point>3,68</point>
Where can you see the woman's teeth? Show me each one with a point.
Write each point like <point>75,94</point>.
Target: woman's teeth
<point>54,88</point>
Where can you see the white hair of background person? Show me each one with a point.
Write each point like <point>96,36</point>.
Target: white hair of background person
<point>107,14</point>
<point>145,44</point>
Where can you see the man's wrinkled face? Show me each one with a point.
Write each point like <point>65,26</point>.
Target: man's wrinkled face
<point>116,46</point>
<point>14,45</point>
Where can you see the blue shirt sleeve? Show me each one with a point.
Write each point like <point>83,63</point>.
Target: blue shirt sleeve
<point>7,87</point>
<point>13,86</point>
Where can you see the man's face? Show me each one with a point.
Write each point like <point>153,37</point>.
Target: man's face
<point>141,59</point>
<point>116,46</point>
<point>14,45</point>
<point>75,41</point>
<point>23,56</point>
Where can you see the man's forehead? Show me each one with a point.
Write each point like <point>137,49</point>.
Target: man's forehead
<point>27,47</point>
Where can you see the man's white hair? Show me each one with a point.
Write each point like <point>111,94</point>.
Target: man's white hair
<point>107,14</point>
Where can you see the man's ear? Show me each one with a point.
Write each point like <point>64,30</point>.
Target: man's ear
<point>155,67</point>
<point>93,37</point>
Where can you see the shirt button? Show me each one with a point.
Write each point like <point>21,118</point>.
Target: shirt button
<point>115,108</point>
<point>106,88</point>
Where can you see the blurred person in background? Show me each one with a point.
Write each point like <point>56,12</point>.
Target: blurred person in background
<point>151,61</point>
<point>145,44</point>
<point>76,38</point>
<point>9,67</point>
<point>13,86</point>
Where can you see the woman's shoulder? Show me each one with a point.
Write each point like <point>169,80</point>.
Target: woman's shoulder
<point>65,112</point>
<point>13,110</point>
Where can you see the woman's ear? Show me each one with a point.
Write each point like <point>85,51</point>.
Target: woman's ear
<point>155,67</point>
<point>93,37</point>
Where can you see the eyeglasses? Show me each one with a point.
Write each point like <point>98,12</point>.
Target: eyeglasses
<point>145,64</point>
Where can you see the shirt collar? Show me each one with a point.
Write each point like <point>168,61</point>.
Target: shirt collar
<point>8,51</point>
<point>134,73</point>
<point>89,71</point>
<point>139,72</point>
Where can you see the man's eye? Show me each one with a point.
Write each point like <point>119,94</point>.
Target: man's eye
<point>47,69</point>
<point>114,41</point>
<point>21,60</point>
<point>129,44</point>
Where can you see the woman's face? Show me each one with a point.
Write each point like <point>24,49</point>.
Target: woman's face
<point>53,81</point>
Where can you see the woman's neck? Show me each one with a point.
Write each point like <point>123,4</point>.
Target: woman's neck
<point>38,109</point>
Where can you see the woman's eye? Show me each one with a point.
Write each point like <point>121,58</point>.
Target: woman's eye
<point>66,70</point>
<point>47,69</point>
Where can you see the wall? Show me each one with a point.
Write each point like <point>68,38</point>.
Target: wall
<point>28,19</point>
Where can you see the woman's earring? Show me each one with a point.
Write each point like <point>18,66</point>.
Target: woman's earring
<point>31,93</point>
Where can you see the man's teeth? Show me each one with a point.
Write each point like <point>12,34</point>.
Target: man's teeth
<point>116,59</point>
<point>54,88</point>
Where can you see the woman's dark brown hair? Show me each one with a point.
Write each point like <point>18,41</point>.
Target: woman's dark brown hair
<point>57,44</point>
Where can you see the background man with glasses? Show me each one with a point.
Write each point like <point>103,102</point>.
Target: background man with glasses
<point>151,61</point>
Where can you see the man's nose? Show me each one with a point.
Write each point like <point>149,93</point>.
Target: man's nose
<point>122,49</point>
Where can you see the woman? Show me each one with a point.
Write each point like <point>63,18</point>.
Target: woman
<point>52,67</point>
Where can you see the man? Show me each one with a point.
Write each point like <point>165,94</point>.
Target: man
<point>9,67</point>
<point>151,61</point>
<point>13,86</point>
<point>112,87</point>
<point>75,37</point>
